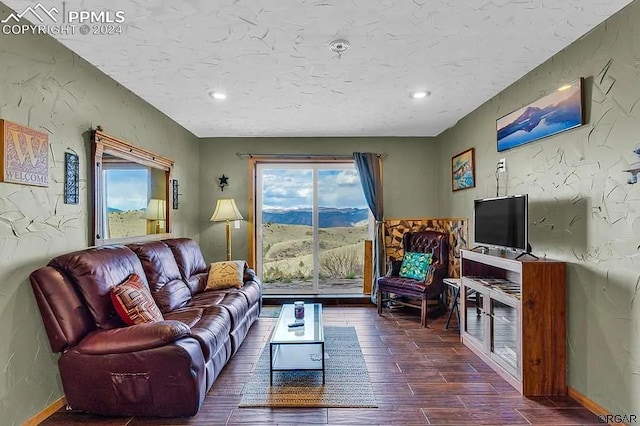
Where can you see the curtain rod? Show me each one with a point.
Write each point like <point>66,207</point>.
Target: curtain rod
<point>302,156</point>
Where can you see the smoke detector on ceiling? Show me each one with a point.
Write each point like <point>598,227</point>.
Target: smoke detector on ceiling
<point>339,46</point>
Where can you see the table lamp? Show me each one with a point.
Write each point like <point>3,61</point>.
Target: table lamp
<point>226,210</point>
<point>157,211</point>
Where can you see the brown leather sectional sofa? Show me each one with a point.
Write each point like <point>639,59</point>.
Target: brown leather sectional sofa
<point>163,368</point>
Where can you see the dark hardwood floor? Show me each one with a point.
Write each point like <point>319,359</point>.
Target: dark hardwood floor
<point>420,376</point>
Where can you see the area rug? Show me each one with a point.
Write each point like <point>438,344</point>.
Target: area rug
<point>347,381</point>
<point>270,311</point>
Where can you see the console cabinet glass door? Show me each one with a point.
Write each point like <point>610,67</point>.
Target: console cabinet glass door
<point>504,336</point>
<point>475,319</point>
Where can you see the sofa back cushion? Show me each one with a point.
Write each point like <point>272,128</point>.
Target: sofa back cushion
<point>94,271</point>
<point>163,275</point>
<point>191,264</point>
<point>64,314</point>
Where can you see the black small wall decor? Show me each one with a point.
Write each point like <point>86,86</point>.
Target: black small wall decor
<point>174,188</point>
<point>71,178</point>
<point>223,181</point>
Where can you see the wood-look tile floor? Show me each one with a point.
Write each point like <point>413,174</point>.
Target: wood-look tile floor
<point>420,376</point>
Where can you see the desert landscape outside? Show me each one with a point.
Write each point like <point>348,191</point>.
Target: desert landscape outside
<point>288,258</point>
<point>127,223</point>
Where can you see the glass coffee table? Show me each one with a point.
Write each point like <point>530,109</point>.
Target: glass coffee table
<point>297,348</point>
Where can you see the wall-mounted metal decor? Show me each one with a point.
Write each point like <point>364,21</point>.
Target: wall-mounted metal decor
<point>24,155</point>
<point>174,188</point>
<point>223,181</point>
<point>71,178</point>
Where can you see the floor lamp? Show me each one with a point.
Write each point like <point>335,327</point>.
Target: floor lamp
<point>226,210</point>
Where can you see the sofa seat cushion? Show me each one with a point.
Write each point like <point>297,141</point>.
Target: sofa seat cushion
<point>210,325</point>
<point>187,316</point>
<point>233,301</point>
<point>207,298</point>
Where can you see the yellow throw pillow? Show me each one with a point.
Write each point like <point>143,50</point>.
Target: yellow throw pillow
<point>226,275</point>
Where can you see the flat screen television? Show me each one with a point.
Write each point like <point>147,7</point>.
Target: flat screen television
<point>502,222</point>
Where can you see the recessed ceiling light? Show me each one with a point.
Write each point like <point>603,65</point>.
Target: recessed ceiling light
<point>565,87</point>
<point>218,95</point>
<point>419,94</point>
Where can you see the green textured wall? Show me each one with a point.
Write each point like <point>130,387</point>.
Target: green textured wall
<point>45,86</point>
<point>410,171</point>
<point>582,210</point>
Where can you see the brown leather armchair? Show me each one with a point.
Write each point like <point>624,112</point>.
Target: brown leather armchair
<point>429,290</point>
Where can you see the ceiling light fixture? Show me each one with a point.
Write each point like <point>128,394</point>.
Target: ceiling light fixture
<point>339,46</point>
<point>218,95</point>
<point>420,94</point>
<point>563,88</point>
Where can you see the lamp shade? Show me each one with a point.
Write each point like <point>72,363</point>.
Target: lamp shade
<point>226,210</point>
<point>156,210</point>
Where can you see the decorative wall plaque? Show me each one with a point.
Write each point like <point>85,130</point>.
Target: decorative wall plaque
<point>175,194</point>
<point>71,178</point>
<point>25,155</point>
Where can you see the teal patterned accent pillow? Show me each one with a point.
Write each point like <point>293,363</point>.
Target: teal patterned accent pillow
<point>415,265</point>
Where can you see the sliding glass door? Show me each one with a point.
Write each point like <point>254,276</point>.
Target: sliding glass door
<point>311,223</point>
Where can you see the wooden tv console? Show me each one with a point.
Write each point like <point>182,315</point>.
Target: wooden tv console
<point>513,316</point>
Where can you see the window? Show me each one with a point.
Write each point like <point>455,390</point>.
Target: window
<point>311,223</point>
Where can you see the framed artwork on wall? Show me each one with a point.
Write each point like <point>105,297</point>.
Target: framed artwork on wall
<point>554,113</point>
<point>463,174</point>
<point>24,155</point>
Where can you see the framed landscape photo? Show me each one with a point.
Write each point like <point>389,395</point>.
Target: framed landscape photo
<point>463,174</point>
<point>557,112</point>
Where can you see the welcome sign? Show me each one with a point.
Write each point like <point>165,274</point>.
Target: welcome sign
<point>25,155</point>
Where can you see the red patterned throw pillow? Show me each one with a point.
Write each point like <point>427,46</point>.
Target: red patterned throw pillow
<point>134,303</point>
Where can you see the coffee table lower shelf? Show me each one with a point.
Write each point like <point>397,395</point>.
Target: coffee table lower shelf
<point>297,356</point>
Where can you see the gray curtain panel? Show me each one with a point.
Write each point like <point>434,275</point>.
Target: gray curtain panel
<point>369,166</point>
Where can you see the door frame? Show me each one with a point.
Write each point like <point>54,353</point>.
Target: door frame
<point>254,163</point>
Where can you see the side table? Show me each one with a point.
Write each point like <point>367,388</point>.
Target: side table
<point>454,283</point>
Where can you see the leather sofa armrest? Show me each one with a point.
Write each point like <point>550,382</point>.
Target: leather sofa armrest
<point>133,338</point>
<point>250,275</point>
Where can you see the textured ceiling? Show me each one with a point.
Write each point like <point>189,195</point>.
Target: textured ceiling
<point>272,59</point>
